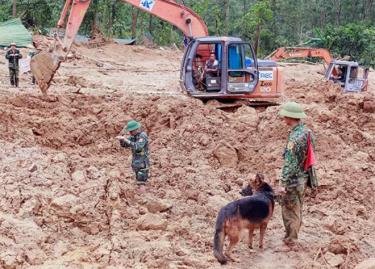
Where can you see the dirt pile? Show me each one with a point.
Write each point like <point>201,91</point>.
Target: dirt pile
<point>68,196</point>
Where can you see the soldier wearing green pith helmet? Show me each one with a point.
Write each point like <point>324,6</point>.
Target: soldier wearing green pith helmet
<point>138,142</point>
<point>294,177</point>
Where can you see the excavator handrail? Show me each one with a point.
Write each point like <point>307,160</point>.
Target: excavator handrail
<point>300,52</point>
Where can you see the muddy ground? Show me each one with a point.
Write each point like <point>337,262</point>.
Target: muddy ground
<point>68,198</point>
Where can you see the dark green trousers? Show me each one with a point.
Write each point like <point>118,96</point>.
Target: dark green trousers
<point>13,74</point>
<point>292,211</point>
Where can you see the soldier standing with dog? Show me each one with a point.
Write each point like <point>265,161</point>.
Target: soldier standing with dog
<point>297,170</point>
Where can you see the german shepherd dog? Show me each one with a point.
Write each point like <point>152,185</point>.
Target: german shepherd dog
<point>250,212</point>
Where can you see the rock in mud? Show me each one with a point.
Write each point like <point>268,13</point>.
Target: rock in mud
<point>216,202</point>
<point>369,106</point>
<point>226,154</point>
<point>65,202</point>
<point>367,264</point>
<point>78,176</point>
<point>247,115</point>
<point>156,206</point>
<point>33,168</point>
<point>334,260</point>
<point>152,222</point>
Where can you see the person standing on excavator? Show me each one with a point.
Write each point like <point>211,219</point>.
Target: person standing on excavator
<point>138,142</point>
<point>298,161</point>
<point>13,55</point>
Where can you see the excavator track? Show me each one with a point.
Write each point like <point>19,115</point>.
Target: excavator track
<point>232,105</point>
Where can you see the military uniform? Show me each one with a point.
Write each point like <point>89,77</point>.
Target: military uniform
<point>140,151</point>
<point>13,57</point>
<point>294,178</point>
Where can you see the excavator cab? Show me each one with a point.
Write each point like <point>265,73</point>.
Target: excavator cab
<point>349,75</point>
<point>237,74</point>
<point>218,67</point>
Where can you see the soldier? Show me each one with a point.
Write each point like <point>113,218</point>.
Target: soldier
<point>13,55</point>
<point>138,142</point>
<point>294,174</point>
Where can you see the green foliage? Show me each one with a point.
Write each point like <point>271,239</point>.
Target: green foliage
<point>355,40</point>
<point>345,27</point>
<point>257,16</point>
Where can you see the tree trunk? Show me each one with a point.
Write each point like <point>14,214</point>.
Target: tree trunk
<point>135,13</point>
<point>369,9</point>
<point>111,18</point>
<point>150,24</point>
<point>338,7</point>
<point>257,37</point>
<point>141,25</point>
<point>14,11</point>
<point>226,17</point>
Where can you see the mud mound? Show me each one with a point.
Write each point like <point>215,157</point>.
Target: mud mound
<point>74,184</point>
<point>69,197</point>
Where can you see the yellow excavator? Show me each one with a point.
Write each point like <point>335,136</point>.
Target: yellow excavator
<point>238,74</point>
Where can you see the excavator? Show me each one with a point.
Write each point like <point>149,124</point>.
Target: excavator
<point>346,73</point>
<point>238,74</point>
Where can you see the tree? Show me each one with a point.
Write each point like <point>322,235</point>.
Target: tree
<point>253,21</point>
<point>14,12</point>
<point>355,40</point>
<point>345,26</point>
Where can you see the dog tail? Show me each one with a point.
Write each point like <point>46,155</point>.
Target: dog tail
<point>219,238</point>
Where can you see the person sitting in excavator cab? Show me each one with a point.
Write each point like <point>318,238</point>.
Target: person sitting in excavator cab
<point>211,73</point>
<point>340,76</point>
<point>198,72</point>
<point>212,66</point>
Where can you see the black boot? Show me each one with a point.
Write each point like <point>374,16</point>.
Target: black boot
<point>16,83</point>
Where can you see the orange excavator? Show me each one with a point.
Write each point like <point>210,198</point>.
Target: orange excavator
<point>301,52</point>
<point>212,67</point>
<point>346,73</point>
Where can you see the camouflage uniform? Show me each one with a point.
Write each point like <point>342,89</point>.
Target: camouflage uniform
<point>13,58</point>
<point>140,152</point>
<point>294,179</point>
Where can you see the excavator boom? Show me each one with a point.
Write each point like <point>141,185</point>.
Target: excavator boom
<point>44,65</point>
<point>300,52</point>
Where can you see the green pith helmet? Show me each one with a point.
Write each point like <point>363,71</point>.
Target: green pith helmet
<point>132,125</point>
<point>292,110</point>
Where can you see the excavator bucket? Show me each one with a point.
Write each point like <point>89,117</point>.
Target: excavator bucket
<point>44,66</point>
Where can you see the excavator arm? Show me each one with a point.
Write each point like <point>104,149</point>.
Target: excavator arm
<point>176,14</point>
<point>300,52</point>
<point>44,65</point>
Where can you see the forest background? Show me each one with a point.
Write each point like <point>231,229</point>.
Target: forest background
<point>345,27</point>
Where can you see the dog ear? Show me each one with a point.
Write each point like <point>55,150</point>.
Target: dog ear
<point>259,178</point>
